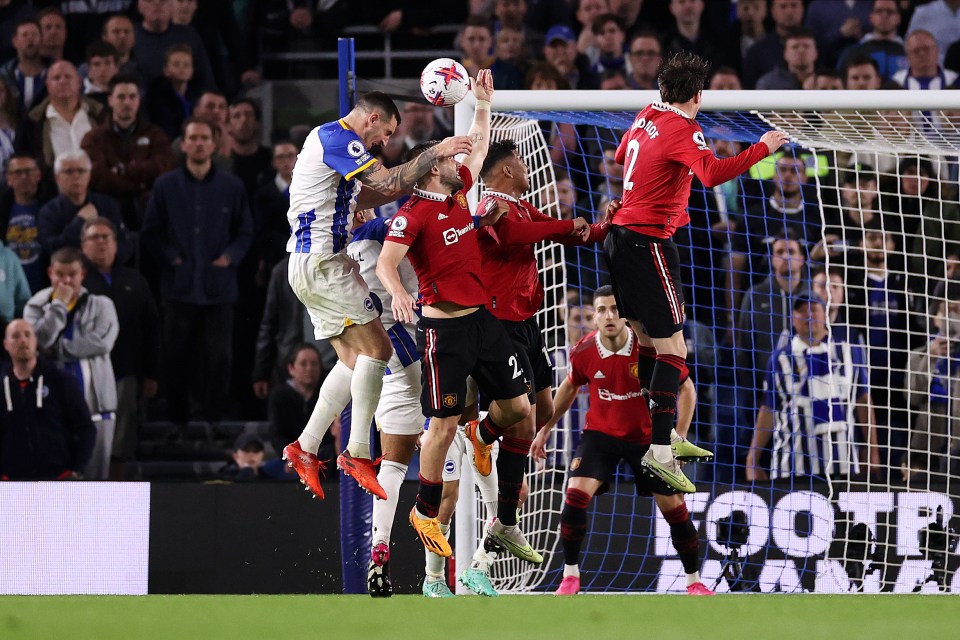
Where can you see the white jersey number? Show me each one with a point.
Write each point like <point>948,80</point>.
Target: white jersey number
<point>633,150</point>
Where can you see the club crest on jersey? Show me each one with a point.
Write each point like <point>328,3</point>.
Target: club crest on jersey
<point>634,367</point>
<point>700,141</point>
<point>575,464</point>
<point>449,466</point>
<point>462,200</point>
<point>355,148</point>
<point>368,304</point>
<point>449,400</point>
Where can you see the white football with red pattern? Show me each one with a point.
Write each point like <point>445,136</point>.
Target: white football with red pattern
<point>444,82</point>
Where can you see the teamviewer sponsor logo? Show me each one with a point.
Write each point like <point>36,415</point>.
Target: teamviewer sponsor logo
<point>453,235</point>
<point>609,396</point>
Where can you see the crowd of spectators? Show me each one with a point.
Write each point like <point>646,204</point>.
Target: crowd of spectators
<point>143,221</point>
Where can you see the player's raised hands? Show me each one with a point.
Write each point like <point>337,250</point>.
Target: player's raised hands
<point>483,85</point>
<point>774,140</point>
<point>403,307</point>
<point>454,146</point>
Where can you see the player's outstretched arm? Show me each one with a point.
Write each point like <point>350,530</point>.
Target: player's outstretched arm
<point>713,171</point>
<point>761,436</point>
<point>400,180</point>
<point>562,401</point>
<point>388,271</point>
<point>479,132</point>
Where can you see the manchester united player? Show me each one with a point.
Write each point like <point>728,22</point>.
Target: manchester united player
<point>511,281</point>
<point>456,334</point>
<point>660,153</point>
<point>618,428</point>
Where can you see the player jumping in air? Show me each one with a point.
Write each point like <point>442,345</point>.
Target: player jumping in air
<point>617,428</point>
<point>456,334</point>
<point>324,192</point>
<point>661,152</point>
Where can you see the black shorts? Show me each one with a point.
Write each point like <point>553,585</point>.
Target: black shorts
<point>645,274</point>
<point>474,345</point>
<point>598,455</point>
<point>537,366</point>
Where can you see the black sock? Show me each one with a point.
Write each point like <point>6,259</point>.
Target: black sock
<point>510,468</point>
<point>646,361</point>
<point>573,524</point>
<point>428,497</point>
<point>663,396</point>
<point>684,537</point>
<point>489,431</point>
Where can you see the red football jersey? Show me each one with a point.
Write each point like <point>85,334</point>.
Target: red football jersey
<point>617,408</point>
<point>660,153</point>
<point>440,232</point>
<point>509,265</point>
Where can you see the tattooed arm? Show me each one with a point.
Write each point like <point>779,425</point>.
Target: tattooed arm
<point>393,183</point>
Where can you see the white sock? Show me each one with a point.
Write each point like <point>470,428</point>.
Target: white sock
<point>435,563</point>
<point>482,560</point>
<point>571,570</point>
<point>334,396</point>
<point>384,511</point>
<point>487,486</point>
<point>365,390</point>
<point>693,578</point>
<point>662,453</point>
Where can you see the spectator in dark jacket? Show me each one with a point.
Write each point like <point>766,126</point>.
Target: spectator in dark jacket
<point>61,219</point>
<point>157,33</point>
<point>767,53</point>
<point>128,152</point>
<point>284,326</point>
<point>136,353</point>
<point>45,427</point>
<point>169,97</point>
<point>27,72</point>
<point>292,402</point>
<point>270,204</point>
<point>198,227</point>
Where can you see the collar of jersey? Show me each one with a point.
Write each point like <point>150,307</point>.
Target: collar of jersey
<point>625,350</point>
<point>503,196</point>
<point>662,106</point>
<point>429,195</point>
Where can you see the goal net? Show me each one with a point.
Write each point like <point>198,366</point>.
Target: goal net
<point>860,210</point>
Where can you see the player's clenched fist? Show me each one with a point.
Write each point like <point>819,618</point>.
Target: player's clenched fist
<point>774,140</point>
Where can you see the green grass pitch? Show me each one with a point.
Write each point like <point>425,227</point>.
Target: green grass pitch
<point>771,617</point>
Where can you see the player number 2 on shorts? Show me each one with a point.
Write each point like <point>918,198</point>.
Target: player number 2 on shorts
<point>516,366</point>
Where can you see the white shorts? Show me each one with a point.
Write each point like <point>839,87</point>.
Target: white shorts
<point>398,412</point>
<point>331,289</point>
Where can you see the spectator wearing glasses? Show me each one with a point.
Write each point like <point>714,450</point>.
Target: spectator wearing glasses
<point>645,56</point>
<point>924,70</point>
<point>883,43</point>
<point>61,219</point>
<point>136,353</point>
<point>19,214</point>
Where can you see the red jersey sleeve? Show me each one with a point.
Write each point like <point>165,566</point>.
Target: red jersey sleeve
<point>542,227</point>
<point>577,376</point>
<point>404,228</point>
<point>713,171</point>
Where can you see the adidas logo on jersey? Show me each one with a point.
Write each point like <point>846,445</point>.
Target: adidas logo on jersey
<point>441,217</point>
<point>599,375</point>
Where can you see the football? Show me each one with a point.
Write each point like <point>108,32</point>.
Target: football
<point>444,82</point>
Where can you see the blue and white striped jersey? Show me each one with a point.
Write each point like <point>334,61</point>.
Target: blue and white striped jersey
<point>365,248</point>
<point>813,393</point>
<point>323,191</point>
